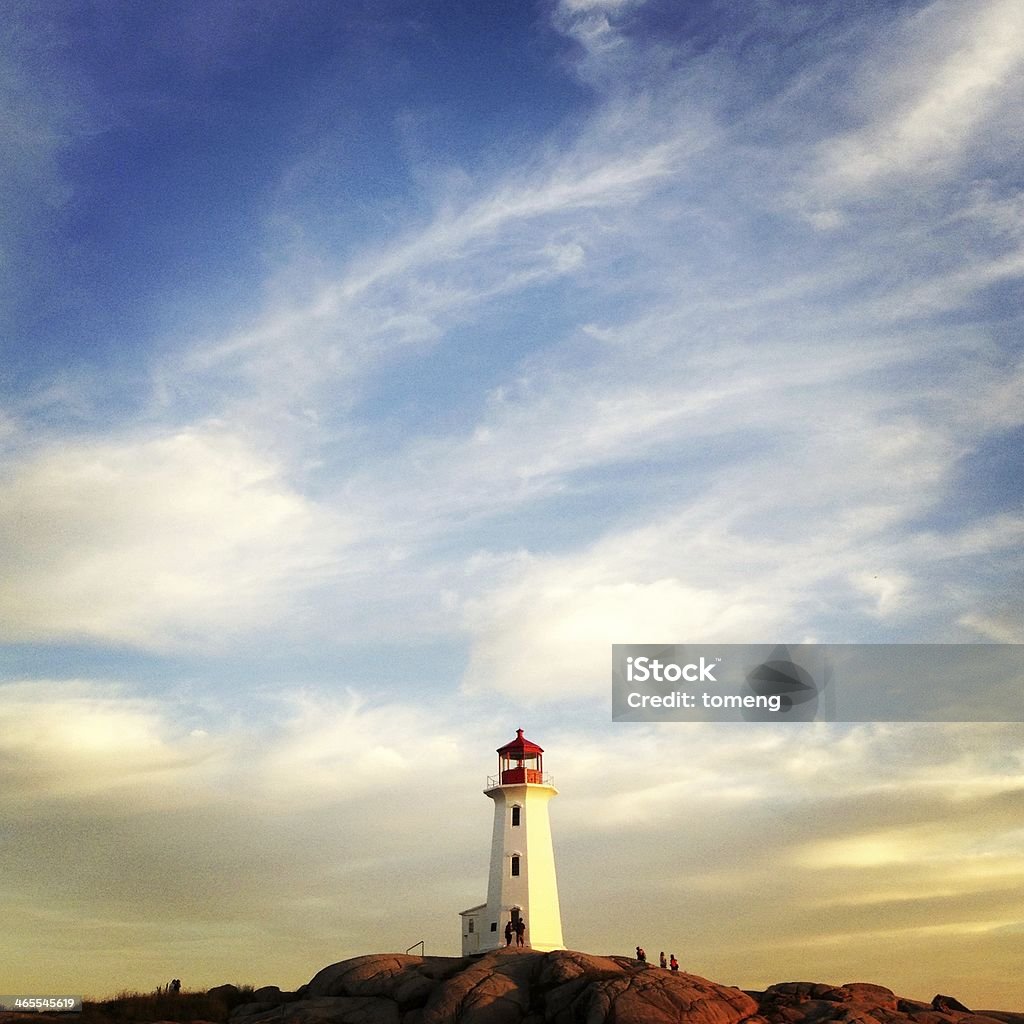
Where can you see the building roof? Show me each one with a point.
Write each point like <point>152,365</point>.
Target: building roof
<point>520,747</point>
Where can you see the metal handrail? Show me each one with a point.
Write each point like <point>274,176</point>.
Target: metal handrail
<point>494,781</point>
<point>423,949</point>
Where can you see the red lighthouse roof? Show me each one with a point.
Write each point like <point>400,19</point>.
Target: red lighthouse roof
<point>520,762</point>
<point>520,748</point>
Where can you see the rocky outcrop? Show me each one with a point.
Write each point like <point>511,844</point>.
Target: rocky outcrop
<point>508,986</point>
<point>564,987</point>
<point>513,986</point>
<point>809,1003</point>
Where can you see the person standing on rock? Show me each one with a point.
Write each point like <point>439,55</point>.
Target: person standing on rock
<point>662,960</point>
<point>521,932</point>
<point>674,963</point>
<point>508,934</point>
<point>641,954</point>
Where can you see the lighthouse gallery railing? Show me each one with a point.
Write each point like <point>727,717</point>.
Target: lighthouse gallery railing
<point>517,776</point>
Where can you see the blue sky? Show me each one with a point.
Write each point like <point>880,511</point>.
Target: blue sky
<point>369,369</point>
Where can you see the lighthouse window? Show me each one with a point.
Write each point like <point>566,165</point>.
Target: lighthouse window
<point>515,816</point>
<point>515,865</point>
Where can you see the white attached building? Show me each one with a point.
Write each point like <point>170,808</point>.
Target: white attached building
<point>522,882</point>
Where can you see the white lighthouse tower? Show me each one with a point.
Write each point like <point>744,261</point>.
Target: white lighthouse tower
<point>521,884</point>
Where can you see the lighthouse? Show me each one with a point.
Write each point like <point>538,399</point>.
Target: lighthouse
<point>521,884</point>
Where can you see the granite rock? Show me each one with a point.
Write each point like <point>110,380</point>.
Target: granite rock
<point>511,986</point>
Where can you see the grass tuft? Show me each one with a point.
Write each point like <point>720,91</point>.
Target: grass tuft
<point>145,1007</point>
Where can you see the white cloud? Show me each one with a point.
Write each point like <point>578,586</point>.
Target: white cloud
<point>90,741</point>
<point>185,537</point>
<point>594,25</point>
<point>948,291</point>
<point>929,95</point>
<point>41,116</point>
<point>827,530</point>
<point>325,749</point>
<point>1002,626</point>
<point>549,633</point>
<point>408,293</point>
<point>77,740</point>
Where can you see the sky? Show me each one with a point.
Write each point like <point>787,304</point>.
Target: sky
<point>370,368</point>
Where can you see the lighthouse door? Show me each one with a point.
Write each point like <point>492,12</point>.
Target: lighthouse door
<point>515,917</point>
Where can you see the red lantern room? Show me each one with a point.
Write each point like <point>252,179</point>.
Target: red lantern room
<point>520,761</point>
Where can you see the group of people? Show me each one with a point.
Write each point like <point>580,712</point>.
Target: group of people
<point>672,963</point>
<point>518,929</point>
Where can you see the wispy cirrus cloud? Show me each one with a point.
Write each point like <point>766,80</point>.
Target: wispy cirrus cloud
<point>690,342</point>
<point>520,234</point>
<point>933,93</point>
<point>44,116</point>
